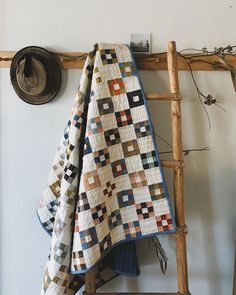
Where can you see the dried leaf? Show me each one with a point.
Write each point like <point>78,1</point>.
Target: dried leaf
<point>209,100</point>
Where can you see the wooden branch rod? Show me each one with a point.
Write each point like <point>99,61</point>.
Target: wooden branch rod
<point>157,61</point>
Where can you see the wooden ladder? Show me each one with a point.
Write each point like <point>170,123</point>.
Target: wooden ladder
<point>177,164</point>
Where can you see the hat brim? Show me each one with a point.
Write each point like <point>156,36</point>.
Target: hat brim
<point>53,71</point>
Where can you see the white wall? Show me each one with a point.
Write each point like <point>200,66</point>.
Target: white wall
<point>30,134</point>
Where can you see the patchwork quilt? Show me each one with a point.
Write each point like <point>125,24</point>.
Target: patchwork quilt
<point>106,184</point>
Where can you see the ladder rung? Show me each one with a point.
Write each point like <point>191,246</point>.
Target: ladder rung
<point>172,164</point>
<point>163,96</point>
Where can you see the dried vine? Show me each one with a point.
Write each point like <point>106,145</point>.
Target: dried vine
<point>220,52</point>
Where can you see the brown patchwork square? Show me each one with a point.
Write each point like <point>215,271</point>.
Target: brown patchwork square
<point>132,229</point>
<point>101,158</point>
<point>91,180</point>
<point>156,191</point>
<point>130,148</point>
<point>144,210</point>
<point>70,172</point>
<point>123,118</point>
<point>119,168</point>
<point>69,150</point>
<point>114,219</point>
<point>108,56</point>
<point>88,238</point>
<point>105,106</point>
<point>79,260</point>
<point>164,222</point>
<point>69,195</point>
<point>112,136</point>
<point>125,198</point>
<point>99,213</point>
<point>108,191</point>
<point>138,179</point>
<point>55,187</point>
<point>82,203</point>
<point>142,129</point>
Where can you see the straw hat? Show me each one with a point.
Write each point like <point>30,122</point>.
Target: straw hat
<point>35,75</point>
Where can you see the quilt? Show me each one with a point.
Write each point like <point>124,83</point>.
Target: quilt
<point>106,185</point>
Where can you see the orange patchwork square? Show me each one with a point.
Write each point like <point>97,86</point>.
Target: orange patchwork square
<point>116,87</point>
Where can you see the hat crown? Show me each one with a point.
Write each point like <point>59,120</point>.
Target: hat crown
<point>36,82</point>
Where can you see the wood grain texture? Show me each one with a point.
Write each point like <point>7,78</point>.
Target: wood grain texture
<point>90,278</point>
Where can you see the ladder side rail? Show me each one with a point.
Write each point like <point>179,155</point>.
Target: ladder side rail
<point>181,253</point>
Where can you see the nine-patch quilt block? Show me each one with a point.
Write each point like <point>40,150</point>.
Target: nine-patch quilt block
<point>106,184</point>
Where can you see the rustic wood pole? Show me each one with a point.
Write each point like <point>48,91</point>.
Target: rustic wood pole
<point>181,255</point>
<point>90,282</point>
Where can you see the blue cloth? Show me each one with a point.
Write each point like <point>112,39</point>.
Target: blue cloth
<point>123,259</point>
